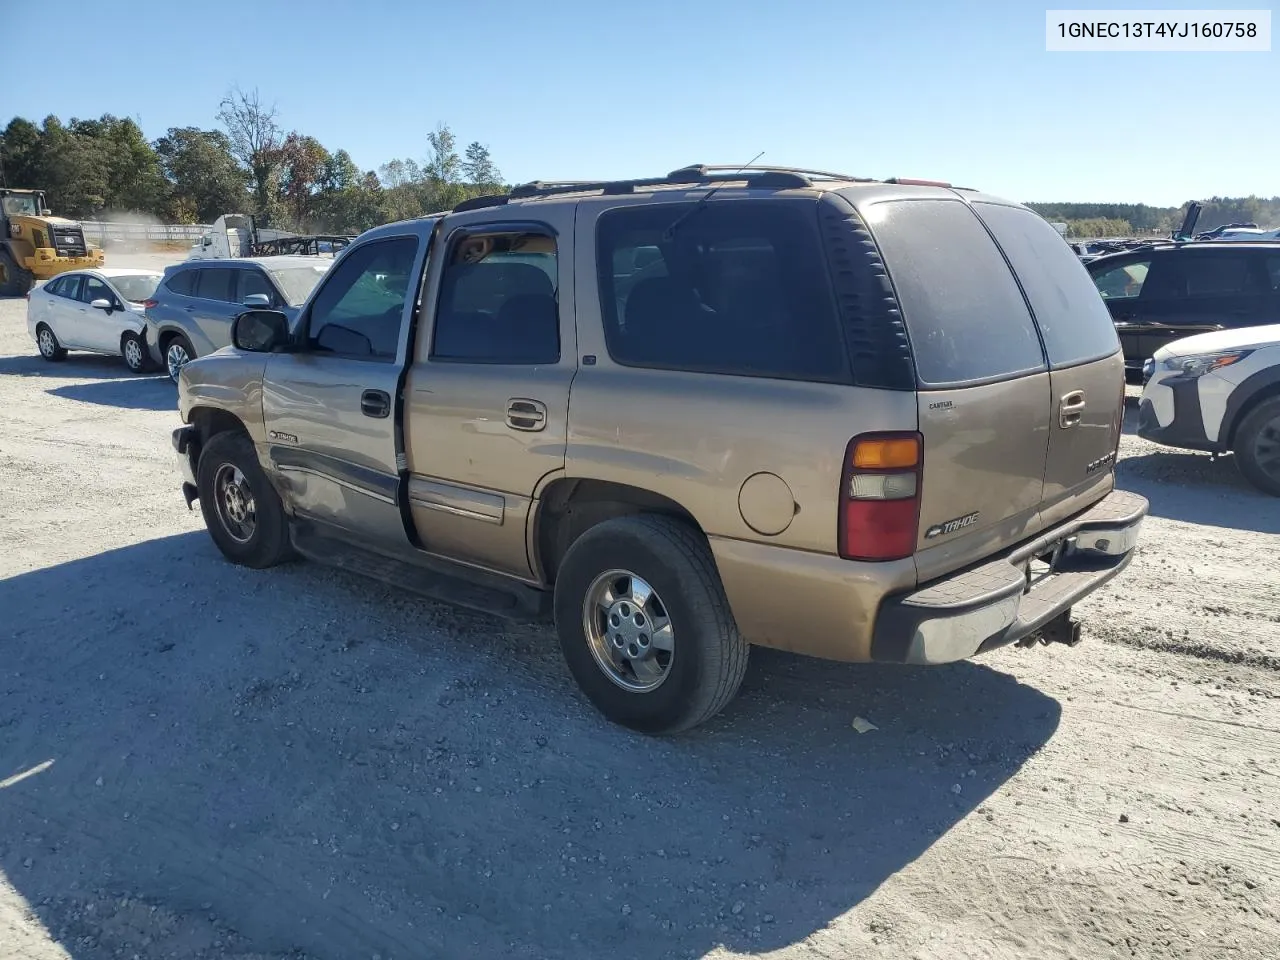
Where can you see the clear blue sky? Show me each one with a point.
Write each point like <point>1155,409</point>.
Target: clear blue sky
<point>574,89</point>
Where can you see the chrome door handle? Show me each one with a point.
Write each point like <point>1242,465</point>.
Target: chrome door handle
<point>523,414</point>
<point>1071,408</point>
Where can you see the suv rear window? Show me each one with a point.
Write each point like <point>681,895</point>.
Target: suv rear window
<point>1073,320</point>
<point>964,313</point>
<point>739,287</point>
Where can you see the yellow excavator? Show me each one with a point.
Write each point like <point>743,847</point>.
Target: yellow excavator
<point>35,245</point>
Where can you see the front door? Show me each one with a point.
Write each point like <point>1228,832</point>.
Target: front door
<point>487,398</point>
<point>99,329</point>
<point>330,408</point>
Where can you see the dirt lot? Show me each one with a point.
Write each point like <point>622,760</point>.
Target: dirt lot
<point>200,761</point>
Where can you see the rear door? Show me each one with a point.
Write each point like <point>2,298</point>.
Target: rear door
<point>215,305</point>
<point>1086,369</point>
<point>985,393</point>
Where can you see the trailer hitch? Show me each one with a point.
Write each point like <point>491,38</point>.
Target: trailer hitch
<point>1061,629</point>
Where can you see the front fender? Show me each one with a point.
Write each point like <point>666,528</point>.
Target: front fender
<point>229,382</point>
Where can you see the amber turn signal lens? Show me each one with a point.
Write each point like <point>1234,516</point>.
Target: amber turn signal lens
<point>886,454</point>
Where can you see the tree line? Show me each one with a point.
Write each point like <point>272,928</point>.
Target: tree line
<point>249,162</point>
<point>1135,219</point>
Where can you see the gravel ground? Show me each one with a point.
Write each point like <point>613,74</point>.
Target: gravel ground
<point>200,761</point>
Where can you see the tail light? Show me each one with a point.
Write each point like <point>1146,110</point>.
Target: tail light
<point>148,303</point>
<point>880,496</point>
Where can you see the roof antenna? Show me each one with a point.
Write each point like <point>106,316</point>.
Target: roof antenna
<point>669,234</point>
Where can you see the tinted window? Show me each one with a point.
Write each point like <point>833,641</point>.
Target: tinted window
<point>357,312</point>
<point>183,282</point>
<point>217,284</point>
<point>964,313</point>
<point>255,281</point>
<point>498,301</point>
<point>1123,282</point>
<point>737,287</point>
<point>1199,274</point>
<point>1073,320</point>
<point>94,289</point>
<point>1273,271</point>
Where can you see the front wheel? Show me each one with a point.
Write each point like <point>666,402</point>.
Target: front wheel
<point>645,626</point>
<point>1257,446</point>
<point>241,509</point>
<point>134,352</point>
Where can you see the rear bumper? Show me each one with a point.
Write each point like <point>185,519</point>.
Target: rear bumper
<point>1007,599</point>
<point>46,263</point>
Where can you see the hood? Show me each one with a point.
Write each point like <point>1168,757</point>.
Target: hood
<point>1221,340</point>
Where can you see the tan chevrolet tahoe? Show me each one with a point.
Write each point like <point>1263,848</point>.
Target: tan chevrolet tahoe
<point>862,420</point>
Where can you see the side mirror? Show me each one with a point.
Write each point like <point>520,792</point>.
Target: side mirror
<point>260,331</point>
<point>102,305</point>
<point>257,300</point>
<point>46,212</point>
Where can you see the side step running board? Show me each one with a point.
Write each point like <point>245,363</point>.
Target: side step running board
<point>424,575</point>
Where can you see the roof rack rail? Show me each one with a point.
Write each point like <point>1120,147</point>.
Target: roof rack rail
<point>774,178</point>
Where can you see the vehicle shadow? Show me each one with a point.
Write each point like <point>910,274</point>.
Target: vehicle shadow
<point>134,393</point>
<point>323,765</point>
<point>73,365</point>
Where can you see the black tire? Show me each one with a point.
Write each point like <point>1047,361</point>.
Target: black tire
<point>15,281</point>
<point>268,543</point>
<point>142,357</point>
<point>46,336</point>
<point>167,344</point>
<point>709,656</point>
<point>1257,446</point>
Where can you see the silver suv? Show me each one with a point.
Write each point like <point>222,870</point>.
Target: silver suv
<point>191,311</point>
<point>685,415</point>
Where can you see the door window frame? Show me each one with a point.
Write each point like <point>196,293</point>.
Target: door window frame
<point>490,228</point>
<point>412,299</point>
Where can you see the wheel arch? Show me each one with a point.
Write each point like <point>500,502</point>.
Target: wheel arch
<point>1256,389</point>
<point>570,506</point>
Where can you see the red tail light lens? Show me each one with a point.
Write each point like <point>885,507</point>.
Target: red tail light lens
<point>880,496</point>
<point>149,303</point>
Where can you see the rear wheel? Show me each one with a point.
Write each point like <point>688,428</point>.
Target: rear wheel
<point>15,281</point>
<point>1257,446</point>
<point>50,349</point>
<point>134,352</point>
<point>178,352</point>
<point>645,626</point>
<point>241,509</point>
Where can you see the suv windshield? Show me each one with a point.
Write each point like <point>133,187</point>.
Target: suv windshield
<point>136,287</point>
<point>296,283</point>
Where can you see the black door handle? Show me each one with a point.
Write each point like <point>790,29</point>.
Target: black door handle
<point>375,403</point>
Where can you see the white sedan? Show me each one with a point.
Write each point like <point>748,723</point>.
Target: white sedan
<point>99,311</point>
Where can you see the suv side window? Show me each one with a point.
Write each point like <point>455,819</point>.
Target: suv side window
<point>217,283</point>
<point>358,309</point>
<point>1272,265</point>
<point>498,301</point>
<point>1124,281</point>
<point>735,287</point>
<point>1195,273</point>
<point>253,280</point>
<point>183,283</point>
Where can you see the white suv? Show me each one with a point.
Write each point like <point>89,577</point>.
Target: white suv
<point>1219,392</point>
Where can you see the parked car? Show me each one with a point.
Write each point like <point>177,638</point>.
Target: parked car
<point>1219,392</point>
<point>98,311</point>
<point>1167,291</point>
<point>683,415</point>
<point>190,313</point>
